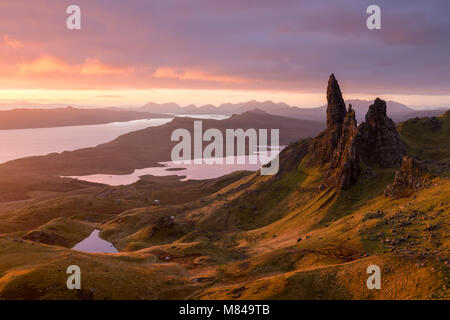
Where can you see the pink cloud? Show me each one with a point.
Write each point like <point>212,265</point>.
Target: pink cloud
<point>12,43</point>
<point>173,73</point>
<point>237,44</point>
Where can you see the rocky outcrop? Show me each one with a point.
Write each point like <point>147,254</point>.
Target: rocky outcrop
<point>323,146</point>
<point>344,145</point>
<point>412,175</point>
<point>344,166</point>
<point>378,140</point>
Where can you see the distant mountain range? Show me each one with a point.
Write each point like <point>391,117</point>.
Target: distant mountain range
<point>55,105</point>
<point>395,110</point>
<point>53,115</point>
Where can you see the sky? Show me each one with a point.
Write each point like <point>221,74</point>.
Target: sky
<point>215,51</point>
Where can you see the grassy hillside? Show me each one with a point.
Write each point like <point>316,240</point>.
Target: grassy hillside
<point>427,138</point>
<point>243,236</point>
<point>34,271</point>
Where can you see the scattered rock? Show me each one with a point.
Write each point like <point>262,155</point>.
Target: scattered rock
<point>373,215</point>
<point>420,265</point>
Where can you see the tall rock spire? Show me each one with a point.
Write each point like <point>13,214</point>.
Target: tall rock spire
<point>325,143</point>
<point>335,103</point>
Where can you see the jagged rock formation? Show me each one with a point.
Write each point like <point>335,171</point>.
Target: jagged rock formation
<point>378,140</point>
<point>344,167</point>
<point>412,175</point>
<point>325,143</point>
<point>344,145</point>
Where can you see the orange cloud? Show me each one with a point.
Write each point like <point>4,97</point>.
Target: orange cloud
<point>46,65</point>
<point>12,43</point>
<point>95,67</point>
<point>173,73</point>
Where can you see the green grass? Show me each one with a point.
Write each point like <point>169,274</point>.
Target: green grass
<point>248,242</point>
<point>359,195</point>
<point>423,141</point>
<point>266,205</point>
<point>70,230</point>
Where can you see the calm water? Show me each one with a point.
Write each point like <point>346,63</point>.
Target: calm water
<point>22,143</point>
<point>95,244</point>
<point>187,171</point>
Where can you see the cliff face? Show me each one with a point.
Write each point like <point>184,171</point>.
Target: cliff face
<point>345,145</point>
